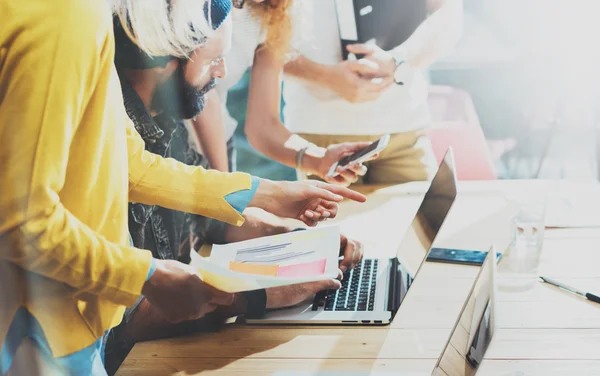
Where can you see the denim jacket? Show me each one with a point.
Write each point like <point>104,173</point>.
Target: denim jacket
<point>167,233</point>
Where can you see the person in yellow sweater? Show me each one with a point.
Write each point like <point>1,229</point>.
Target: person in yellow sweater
<point>70,162</point>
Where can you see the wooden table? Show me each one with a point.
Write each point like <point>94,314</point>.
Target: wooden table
<point>541,330</point>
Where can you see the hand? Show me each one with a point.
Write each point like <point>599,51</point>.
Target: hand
<point>352,251</point>
<point>178,292</point>
<point>308,201</point>
<point>287,296</point>
<point>257,223</point>
<point>356,80</point>
<point>348,174</point>
<point>383,60</point>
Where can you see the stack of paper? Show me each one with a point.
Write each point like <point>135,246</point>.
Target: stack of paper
<point>279,260</point>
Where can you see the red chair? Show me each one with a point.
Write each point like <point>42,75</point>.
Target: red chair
<point>456,124</point>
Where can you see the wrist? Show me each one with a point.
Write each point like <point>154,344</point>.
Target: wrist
<point>275,229</point>
<point>255,303</point>
<point>265,193</point>
<point>311,165</point>
<point>401,56</point>
<point>240,304</point>
<point>152,268</point>
<point>326,75</point>
<point>153,280</point>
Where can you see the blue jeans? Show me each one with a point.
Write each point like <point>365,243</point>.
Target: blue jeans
<point>89,361</point>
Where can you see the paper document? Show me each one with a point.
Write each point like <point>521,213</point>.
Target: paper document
<point>279,260</point>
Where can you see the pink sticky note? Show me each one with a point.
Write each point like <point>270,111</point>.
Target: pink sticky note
<point>303,270</point>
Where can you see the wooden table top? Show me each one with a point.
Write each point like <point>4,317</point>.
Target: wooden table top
<point>541,330</point>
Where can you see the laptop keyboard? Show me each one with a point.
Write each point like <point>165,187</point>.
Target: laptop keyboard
<point>357,292</point>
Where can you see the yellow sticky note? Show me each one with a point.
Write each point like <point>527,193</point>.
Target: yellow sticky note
<point>226,283</point>
<point>259,269</point>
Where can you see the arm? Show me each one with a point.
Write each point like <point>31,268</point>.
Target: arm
<point>263,116</point>
<point>154,180</point>
<point>306,69</point>
<point>350,79</point>
<point>435,36</point>
<point>268,135</point>
<point>210,133</point>
<point>147,322</point>
<point>46,85</point>
<point>258,223</point>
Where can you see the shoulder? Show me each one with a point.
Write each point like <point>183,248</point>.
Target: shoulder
<point>81,33</point>
<point>82,19</point>
<point>69,32</point>
<point>245,25</point>
<point>43,22</point>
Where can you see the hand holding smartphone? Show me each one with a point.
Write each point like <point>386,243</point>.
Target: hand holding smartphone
<point>360,156</point>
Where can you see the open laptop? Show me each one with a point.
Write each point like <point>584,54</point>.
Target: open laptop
<point>468,341</point>
<point>474,328</point>
<point>372,292</point>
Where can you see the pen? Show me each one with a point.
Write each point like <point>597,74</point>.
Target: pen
<point>587,295</point>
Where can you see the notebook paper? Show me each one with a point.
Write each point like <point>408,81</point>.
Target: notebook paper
<point>279,260</point>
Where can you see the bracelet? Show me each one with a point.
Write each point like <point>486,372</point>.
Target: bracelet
<point>299,157</point>
<point>256,303</point>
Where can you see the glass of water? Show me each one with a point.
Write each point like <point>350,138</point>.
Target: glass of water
<point>528,224</point>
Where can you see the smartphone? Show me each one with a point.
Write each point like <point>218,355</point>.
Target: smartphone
<point>458,256</point>
<point>361,155</point>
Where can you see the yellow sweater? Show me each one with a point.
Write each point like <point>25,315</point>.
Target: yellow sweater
<point>69,161</point>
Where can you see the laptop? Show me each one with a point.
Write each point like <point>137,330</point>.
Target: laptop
<point>372,292</point>
<point>468,341</point>
<point>472,334</point>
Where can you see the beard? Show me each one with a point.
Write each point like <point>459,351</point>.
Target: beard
<point>178,99</point>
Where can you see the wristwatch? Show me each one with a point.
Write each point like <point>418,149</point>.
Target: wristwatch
<point>400,72</point>
<point>256,301</point>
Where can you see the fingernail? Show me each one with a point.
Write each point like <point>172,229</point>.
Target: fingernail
<point>326,214</point>
<point>338,197</point>
<point>343,268</point>
<point>309,214</point>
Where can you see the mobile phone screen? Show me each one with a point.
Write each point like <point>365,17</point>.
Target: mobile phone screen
<point>362,152</point>
<point>458,256</point>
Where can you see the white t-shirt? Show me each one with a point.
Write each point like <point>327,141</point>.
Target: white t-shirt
<point>312,108</point>
<point>247,36</point>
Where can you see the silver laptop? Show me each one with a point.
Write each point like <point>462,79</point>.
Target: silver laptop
<point>372,292</point>
<point>468,342</point>
<point>474,328</point>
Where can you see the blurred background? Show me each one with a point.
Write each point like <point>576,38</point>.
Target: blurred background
<point>518,96</point>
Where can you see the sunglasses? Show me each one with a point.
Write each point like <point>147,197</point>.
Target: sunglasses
<point>238,3</point>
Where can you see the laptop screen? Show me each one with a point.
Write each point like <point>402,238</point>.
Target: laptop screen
<point>472,334</point>
<point>426,224</point>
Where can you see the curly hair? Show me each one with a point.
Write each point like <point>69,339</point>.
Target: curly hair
<point>276,20</point>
